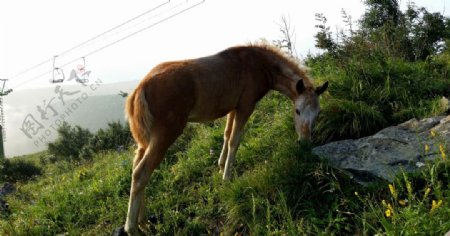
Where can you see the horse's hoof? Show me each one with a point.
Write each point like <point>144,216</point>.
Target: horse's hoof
<point>119,232</point>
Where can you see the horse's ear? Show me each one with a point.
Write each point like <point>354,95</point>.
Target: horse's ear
<point>300,86</point>
<point>322,88</point>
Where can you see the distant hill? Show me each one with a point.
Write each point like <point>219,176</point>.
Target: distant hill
<point>91,107</point>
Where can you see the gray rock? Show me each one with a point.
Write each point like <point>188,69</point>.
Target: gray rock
<point>7,188</point>
<point>384,154</point>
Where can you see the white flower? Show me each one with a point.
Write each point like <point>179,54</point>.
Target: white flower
<point>420,164</point>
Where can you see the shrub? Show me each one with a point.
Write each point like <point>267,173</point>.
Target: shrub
<point>115,136</point>
<point>69,142</point>
<point>76,143</point>
<point>17,169</point>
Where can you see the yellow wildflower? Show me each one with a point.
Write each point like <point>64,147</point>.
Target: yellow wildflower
<point>403,202</point>
<point>435,204</point>
<point>427,192</point>
<point>388,213</point>
<point>427,148</point>
<point>442,150</point>
<point>389,206</point>
<point>433,133</point>
<point>389,209</point>
<point>392,190</point>
<point>356,194</point>
<point>408,187</point>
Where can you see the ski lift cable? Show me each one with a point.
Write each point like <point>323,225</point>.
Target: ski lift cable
<point>152,17</point>
<point>31,68</point>
<point>143,29</point>
<point>114,42</point>
<point>89,40</point>
<point>114,28</point>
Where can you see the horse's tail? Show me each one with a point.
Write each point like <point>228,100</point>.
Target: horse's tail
<point>139,116</point>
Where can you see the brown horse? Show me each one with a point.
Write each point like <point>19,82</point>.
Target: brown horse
<point>198,90</point>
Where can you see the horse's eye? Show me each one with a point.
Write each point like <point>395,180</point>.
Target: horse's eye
<point>297,111</point>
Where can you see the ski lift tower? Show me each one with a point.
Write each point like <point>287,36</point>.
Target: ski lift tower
<point>3,92</point>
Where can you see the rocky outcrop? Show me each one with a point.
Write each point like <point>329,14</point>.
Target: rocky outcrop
<point>6,189</point>
<point>403,147</point>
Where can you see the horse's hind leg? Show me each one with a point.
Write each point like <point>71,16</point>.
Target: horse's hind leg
<point>140,151</point>
<point>226,139</point>
<point>139,154</point>
<point>160,141</point>
<point>140,178</point>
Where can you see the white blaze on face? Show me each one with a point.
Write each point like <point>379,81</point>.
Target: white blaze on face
<point>306,111</point>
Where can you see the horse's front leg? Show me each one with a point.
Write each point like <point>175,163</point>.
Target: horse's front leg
<point>226,139</point>
<point>240,118</point>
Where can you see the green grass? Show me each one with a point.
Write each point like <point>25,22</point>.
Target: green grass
<point>278,188</point>
<point>68,198</point>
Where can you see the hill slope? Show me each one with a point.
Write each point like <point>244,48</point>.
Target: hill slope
<point>278,188</point>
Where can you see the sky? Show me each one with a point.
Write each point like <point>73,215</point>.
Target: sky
<point>32,32</point>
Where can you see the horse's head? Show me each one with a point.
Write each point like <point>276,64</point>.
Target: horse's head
<point>307,107</point>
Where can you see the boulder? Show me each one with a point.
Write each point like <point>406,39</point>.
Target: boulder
<point>383,155</point>
<point>7,188</point>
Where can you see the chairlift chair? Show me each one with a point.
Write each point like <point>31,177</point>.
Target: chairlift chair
<point>58,73</point>
<point>83,76</point>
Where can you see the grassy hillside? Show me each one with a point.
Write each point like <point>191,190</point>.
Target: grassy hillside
<point>279,188</point>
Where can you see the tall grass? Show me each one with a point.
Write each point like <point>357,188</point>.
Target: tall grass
<point>370,92</point>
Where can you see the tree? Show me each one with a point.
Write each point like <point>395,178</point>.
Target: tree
<point>412,35</point>
<point>323,37</point>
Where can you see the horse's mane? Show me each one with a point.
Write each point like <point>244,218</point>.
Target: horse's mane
<point>285,58</point>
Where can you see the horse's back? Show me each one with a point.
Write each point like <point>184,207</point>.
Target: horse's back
<point>198,90</point>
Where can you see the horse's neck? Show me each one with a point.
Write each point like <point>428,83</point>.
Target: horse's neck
<point>284,83</point>
<point>285,87</point>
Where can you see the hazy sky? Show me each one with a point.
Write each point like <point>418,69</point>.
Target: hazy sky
<point>34,31</point>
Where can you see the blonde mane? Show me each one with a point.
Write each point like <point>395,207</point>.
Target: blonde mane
<point>285,59</point>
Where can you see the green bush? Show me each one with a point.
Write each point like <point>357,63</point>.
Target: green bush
<point>76,143</point>
<point>18,169</point>
<point>115,136</point>
<point>70,142</point>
